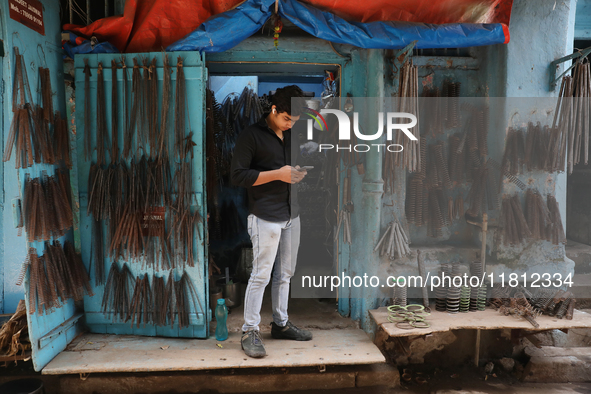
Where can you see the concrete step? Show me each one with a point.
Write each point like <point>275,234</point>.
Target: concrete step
<point>246,380</point>
<point>558,365</point>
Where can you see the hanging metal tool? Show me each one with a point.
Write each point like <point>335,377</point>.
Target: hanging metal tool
<point>344,219</point>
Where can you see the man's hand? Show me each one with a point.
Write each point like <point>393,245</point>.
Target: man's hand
<point>289,174</point>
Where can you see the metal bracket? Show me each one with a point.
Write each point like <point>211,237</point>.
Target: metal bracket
<point>401,56</point>
<point>553,79</point>
<point>404,53</point>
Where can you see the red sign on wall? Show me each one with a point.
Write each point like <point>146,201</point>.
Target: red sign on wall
<point>29,13</point>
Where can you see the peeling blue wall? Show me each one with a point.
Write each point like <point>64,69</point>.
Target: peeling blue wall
<point>520,69</point>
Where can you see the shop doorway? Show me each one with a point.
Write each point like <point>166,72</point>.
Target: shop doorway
<point>231,84</point>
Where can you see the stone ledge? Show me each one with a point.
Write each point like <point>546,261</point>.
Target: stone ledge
<point>235,381</point>
<point>378,375</point>
<point>558,365</point>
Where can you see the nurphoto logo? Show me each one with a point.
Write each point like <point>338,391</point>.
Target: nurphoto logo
<point>344,123</point>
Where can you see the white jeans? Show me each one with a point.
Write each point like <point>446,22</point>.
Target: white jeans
<point>273,244</point>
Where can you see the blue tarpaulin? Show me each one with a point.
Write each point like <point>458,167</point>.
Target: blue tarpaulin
<point>75,44</point>
<point>226,30</point>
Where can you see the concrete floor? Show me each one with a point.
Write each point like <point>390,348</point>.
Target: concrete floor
<point>337,341</point>
<point>308,313</point>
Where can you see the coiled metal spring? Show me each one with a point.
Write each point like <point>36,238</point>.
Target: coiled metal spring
<point>563,307</point>
<point>465,299</point>
<point>400,296</point>
<point>481,303</point>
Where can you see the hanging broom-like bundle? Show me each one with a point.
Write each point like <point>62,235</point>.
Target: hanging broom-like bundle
<point>537,215</point>
<point>394,243</point>
<point>21,134</point>
<point>557,230</point>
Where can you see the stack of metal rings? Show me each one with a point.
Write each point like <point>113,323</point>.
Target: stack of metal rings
<point>408,317</point>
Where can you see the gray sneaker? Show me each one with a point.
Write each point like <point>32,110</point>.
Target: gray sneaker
<point>252,344</point>
<point>290,331</point>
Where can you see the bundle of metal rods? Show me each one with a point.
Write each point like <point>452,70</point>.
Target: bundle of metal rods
<point>114,114</point>
<point>39,293</point>
<point>185,296</point>
<point>552,302</point>
<point>180,110</point>
<point>513,223</point>
<point>128,235</point>
<point>521,310</point>
<point>513,157</point>
<point>572,117</point>
<point>559,132</point>
<point>240,111</point>
<point>43,144</point>
<point>47,209</point>
<point>140,310</point>
<point>424,276</point>
<point>213,168</point>
<point>134,114</point>
<point>161,299</point>
<point>537,215</point>
<point>477,196</point>
<point>437,212</point>
<point>472,148</point>
<point>99,192</point>
<point>79,281</point>
<point>414,201</point>
<point>394,242</point>
<point>97,252</point>
<point>537,148</point>
<point>152,108</point>
<point>87,112</point>
<point>46,94</point>
<point>557,235</point>
<point>164,114</point>
<point>135,300</point>
<point>116,296</point>
<point>457,159</point>
<point>344,216</point>
<point>409,102</point>
<point>432,109</point>
<point>452,90</point>
<point>437,172</point>
<point>61,138</point>
<point>22,133</point>
<point>57,275</point>
<point>427,201</point>
<point>146,194</point>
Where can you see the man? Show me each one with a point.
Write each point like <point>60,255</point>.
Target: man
<point>262,163</point>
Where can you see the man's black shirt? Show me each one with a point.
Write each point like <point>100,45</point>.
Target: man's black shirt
<point>259,149</point>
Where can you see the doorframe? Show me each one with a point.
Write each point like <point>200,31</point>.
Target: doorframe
<point>347,67</point>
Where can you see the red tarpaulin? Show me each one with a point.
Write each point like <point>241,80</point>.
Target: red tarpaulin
<point>419,11</point>
<point>151,25</point>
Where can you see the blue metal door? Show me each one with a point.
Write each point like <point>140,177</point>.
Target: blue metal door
<point>49,331</point>
<point>195,75</point>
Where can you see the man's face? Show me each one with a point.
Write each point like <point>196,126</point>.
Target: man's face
<point>284,121</point>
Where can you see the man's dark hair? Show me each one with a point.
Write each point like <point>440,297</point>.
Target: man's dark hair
<point>282,99</point>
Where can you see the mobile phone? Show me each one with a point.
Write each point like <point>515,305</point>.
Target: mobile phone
<point>305,168</point>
